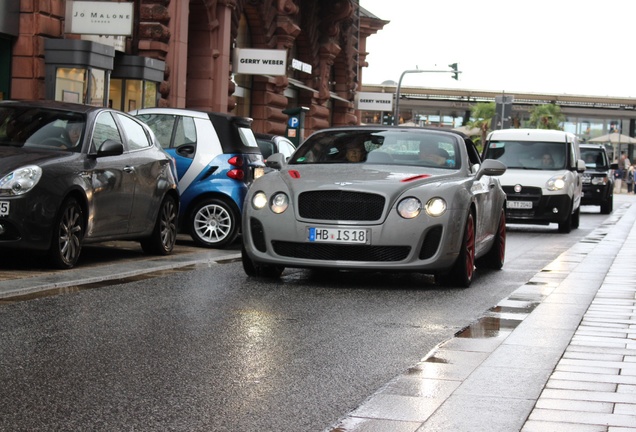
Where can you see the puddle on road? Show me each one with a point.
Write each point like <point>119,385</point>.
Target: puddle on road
<point>101,284</point>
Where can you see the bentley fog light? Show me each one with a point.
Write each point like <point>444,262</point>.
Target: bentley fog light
<point>435,207</point>
<point>280,202</point>
<point>409,208</point>
<point>259,200</point>
<point>21,180</point>
<point>556,183</point>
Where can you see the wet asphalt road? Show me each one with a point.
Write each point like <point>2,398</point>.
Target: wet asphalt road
<point>213,350</point>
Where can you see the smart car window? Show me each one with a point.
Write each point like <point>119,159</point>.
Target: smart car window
<point>162,125</point>
<point>137,138</point>
<point>105,129</point>
<point>247,137</point>
<point>186,132</point>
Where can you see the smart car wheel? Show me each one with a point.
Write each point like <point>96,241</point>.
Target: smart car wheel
<point>164,234</point>
<point>255,270</point>
<point>213,224</point>
<point>495,257</point>
<point>462,272</point>
<point>68,232</point>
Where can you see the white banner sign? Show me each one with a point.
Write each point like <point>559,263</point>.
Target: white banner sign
<point>375,101</point>
<point>260,62</point>
<point>99,18</point>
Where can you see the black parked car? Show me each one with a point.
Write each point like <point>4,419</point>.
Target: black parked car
<point>72,174</point>
<point>270,144</point>
<point>598,183</point>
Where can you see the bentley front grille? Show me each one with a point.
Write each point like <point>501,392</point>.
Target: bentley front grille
<point>340,205</point>
<point>331,252</point>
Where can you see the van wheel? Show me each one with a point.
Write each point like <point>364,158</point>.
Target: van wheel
<point>566,226</point>
<point>576,218</point>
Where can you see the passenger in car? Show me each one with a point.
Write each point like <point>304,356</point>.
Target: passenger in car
<point>547,161</point>
<point>433,155</point>
<point>355,152</point>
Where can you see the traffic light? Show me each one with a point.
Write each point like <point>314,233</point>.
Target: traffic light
<point>455,73</point>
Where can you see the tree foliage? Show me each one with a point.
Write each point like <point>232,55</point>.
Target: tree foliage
<point>546,116</point>
<point>482,114</point>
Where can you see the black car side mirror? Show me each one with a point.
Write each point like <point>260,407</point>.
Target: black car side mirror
<point>110,148</point>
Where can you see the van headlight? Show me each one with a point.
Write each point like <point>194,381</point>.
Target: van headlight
<point>556,183</point>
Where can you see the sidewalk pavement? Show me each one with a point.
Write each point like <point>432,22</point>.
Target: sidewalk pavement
<point>559,354</point>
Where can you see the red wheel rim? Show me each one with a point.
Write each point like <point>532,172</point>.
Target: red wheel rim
<point>470,247</point>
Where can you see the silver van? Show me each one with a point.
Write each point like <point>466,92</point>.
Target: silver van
<point>543,182</point>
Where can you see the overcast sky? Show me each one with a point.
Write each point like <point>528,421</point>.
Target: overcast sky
<point>542,46</point>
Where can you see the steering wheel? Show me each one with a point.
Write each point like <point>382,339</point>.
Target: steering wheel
<point>57,142</point>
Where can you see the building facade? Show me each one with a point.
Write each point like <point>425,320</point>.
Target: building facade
<point>588,117</point>
<point>180,53</point>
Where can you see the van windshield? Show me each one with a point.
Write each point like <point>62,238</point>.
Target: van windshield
<point>533,155</point>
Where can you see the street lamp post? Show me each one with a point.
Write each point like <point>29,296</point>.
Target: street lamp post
<point>396,116</point>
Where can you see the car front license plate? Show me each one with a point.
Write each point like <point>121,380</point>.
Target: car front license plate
<point>4,208</point>
<point>339,235</point>
<point>519,204</point>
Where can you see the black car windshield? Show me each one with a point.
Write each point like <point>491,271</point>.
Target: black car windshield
<point>41,128</point>
<point>532,155</point>
<point>380,146</point>
<point>595,158</point>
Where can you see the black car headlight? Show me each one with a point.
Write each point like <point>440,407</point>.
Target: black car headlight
<point>21,181</point>
<point>598,181</point>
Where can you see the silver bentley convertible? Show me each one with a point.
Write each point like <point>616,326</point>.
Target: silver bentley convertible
<point>378,198</point>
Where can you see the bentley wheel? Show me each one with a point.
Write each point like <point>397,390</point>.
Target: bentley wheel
<point>495,257</point>
<point>461,274</point>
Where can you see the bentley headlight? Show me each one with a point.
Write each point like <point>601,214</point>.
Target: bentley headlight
<point>21,181</point>
<point>280,202</point>
<point>556,183</point>
<point>435,207</point>
<point>409,208</point>
<point>259,200</point>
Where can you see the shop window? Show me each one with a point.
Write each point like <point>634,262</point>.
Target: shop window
<point>72,85</point>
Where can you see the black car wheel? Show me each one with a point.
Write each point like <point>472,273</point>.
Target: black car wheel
<point>164,234</point>
<point>608,205</point>
<point>213,224</point>
<point>68,232</point>
<point>496,256</point>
